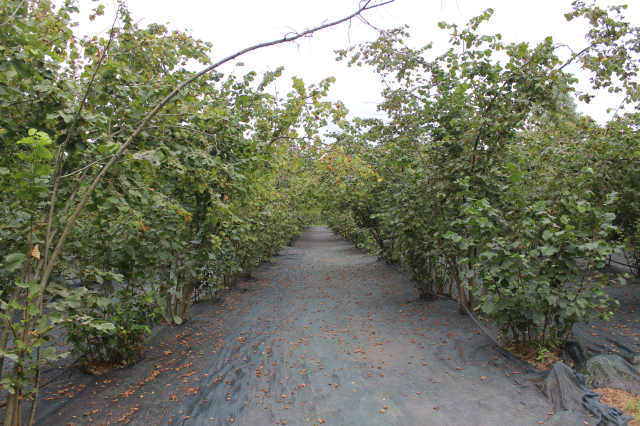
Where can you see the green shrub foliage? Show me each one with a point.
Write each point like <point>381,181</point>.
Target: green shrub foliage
<point>130,187</point>
<point>484,181</point>
<point>106,231</point>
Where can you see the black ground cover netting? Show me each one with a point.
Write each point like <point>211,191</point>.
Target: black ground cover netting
<point>325,334</point>
<point>620,336</point>
<point>607,352</point>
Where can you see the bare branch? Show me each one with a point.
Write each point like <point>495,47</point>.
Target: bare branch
<point>183,128</point>
<point>85,167</point>
<point>574,56</point>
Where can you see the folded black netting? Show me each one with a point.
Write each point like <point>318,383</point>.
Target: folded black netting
<point>569,393</point>
<point>611,371</point>
<point>575,353</point>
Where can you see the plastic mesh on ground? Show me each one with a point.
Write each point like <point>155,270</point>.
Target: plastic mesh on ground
<point>328,335</point>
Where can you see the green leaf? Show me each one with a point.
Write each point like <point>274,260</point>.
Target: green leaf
<point>13,261</point>
<point>538,317</point>
<point>55,316</point>
<point>49,354</point>
<point>42,169</point>
<point>73,300</point>
<point>452,236</point>
<point>34,286</point>
<point>29,141</point>
<point>117,277</point>
<point>515,177</point>
<point>33,309</point>
<point>104,326</point>
<point>13,357</point>
<point>42,152</point>
<point>548,251</point>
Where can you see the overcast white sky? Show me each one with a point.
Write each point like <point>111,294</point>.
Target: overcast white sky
<point>233,25</point>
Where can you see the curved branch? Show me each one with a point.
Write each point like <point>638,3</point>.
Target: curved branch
<point>12,15</point>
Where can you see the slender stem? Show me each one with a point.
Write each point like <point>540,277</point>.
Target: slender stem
<point>48,236</point>
<point>574,56</point>
<point>86,93</point>
<point>34,398</point>
<point>75,191</point>
<point>85,167</point>
<point>452,263</point>
<point>12,15</point>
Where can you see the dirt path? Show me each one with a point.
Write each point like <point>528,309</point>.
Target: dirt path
<point>323,335</point>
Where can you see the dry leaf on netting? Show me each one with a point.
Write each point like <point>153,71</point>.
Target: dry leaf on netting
<point>35,253</point>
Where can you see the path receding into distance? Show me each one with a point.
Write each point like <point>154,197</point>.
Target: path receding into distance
<point>324,334</point>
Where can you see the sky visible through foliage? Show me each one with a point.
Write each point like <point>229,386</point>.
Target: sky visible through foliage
<point>231,26</point>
